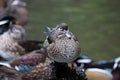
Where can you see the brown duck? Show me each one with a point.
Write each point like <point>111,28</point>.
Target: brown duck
<point>10,35</point>
<point>61,44</point>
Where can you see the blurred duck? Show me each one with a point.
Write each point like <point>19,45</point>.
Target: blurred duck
<point>9,73</point>
<point>33,58</point>
<point>12,39</point>
<point>15,8</point>
<point>10,34</point>
<point>23,67</point>
<point>98,70</point>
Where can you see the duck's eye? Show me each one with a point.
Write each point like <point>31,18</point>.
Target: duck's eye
<point>61,29</point>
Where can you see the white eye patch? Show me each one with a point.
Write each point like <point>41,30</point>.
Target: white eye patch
<point>3,22</point>
<point>18,2</point>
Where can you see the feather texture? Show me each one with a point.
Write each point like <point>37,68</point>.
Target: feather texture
<point>61,44</point>
<point>9,47</point>
<point>33,58</point>
<point>43,71</point>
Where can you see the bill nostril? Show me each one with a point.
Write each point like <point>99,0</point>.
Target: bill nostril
<point>69,38</point>
<point>68,35</point>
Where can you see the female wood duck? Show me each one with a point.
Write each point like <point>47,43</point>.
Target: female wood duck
<point>10,34</point>
<point>61,44</point>
<point>12,42</point>
<point>17,8</point>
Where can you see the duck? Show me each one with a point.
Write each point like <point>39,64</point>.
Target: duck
<point>62,45</point>
<point>23,67</point>
<point>51,68</point>
<point>17,8</point>
<point>10,35</point>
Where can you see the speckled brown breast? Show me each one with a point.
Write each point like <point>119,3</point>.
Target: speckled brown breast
<point>64,50</point>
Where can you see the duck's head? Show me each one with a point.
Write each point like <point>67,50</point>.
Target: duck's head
<point>60,31</point>
<point>5,22</point>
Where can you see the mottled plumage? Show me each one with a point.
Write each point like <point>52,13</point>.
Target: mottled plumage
<point>41,67</point>
<point>9,47</point>
<point>43,71</point>
<point>9,74</point>
<point>61,44</point>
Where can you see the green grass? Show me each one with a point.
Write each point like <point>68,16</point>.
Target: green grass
<point>96,23</point>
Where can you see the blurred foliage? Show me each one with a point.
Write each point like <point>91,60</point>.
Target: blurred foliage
<point>96,23</point>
